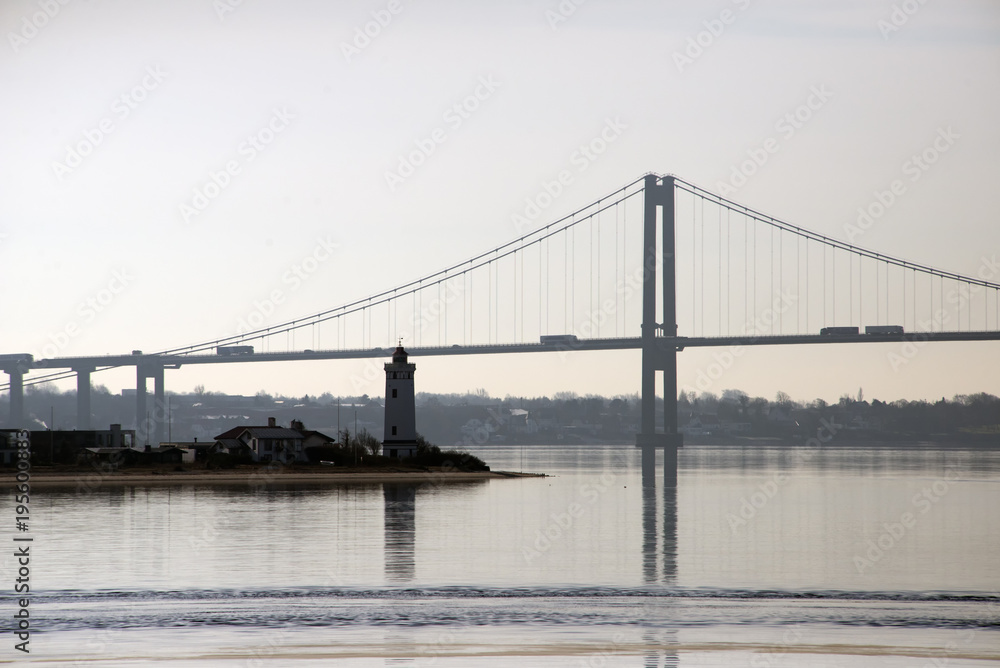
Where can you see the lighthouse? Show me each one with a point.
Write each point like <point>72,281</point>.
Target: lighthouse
<point>400,438</point>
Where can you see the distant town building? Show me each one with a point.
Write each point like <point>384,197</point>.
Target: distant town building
<point>67,446</point>
<point>193,451</point>
<point>400,437</point>
<point>8,446</point>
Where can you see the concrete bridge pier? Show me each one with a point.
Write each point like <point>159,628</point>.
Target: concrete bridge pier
<point>141,420</point>
<point>159,413</point>
<point>150,421</point>
<point>16,374</point>
<point>83,396</point>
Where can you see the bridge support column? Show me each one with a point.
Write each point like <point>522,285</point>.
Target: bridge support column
<point>659,353</point>
<point>16,420</point>
<point>159,415</point>
<point>141,420</point>
<point>150,422</point>
<point>83,397</point>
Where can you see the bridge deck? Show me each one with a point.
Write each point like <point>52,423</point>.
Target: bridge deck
<point>630,343</point>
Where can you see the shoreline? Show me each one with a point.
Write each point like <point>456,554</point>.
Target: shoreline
<point>260,477</point>
<point>784,441</point>
<point>843,444</point>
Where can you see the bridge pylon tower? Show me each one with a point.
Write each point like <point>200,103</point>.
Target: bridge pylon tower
<point>659,347</point>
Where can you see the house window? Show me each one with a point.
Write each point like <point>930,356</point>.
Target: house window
<point>393,393</point>
<point>393,431</point>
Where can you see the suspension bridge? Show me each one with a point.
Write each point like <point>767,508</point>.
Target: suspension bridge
<point>658,265</point>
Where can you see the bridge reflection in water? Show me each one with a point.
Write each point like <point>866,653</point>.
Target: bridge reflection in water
<point>659,549</point>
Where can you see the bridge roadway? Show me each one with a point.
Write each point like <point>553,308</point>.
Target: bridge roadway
<point>628,343</point>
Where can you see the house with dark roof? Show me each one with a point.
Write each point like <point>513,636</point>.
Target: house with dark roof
<point>271,443</point>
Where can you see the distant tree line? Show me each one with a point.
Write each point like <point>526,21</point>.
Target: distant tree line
<point>477,418</point>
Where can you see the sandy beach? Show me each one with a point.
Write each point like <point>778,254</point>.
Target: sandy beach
<point>258,477</point>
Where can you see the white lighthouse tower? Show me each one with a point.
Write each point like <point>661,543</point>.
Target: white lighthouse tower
<point>400,438</point>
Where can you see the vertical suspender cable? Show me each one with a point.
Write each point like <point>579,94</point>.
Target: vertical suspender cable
<point>566,286</point>
<point>624,264</point>
<point>497,283</point>
<point>615,282</point>
<point>930,292</point>
<point>590,255</point>
<point>544,286</point>
<point>770,266</point>
<point>903,300</point>
<point>986,310</point>
<point>798,278</point>
<point>850,289</point>
<point>489,322</point>
<point>701,224</point>
<point>729,271</point>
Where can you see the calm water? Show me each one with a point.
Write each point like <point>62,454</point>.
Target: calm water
<point>760,557</point>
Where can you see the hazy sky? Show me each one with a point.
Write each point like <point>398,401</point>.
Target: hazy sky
<point>117,114</point>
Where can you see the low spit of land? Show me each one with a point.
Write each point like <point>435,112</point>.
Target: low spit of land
<point>256,476</point>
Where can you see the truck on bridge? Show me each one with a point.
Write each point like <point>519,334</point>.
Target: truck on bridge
<point>883,329</point>
<point>17,358</point>
<point>558,338</point>
<point>234,350</point>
